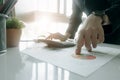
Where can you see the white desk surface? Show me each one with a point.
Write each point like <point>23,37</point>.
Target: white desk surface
<point>17,66</point>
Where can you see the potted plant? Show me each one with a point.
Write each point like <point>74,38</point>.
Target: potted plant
<point>13,31</point>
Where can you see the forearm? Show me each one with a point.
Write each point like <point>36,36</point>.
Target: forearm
<point>73,25</point>
<point>75,20</point>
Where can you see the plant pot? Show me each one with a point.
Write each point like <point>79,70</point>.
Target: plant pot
<point>13,37</point>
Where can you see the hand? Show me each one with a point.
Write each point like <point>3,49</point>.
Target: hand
<point>57,36</point>
<point>91,33</point>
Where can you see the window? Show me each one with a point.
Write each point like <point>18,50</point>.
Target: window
<point>43,16</point>
<point>54,6</point>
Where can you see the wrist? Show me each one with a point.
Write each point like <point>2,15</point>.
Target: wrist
<point>99,14</point>
<point>98,19</point>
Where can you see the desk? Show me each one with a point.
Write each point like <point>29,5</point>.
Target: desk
<point>14,65</point>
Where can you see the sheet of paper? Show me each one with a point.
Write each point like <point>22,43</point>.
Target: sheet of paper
<point>61,57</point>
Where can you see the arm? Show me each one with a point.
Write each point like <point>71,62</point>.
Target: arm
<point>92,31</point>
<point>75,20</point>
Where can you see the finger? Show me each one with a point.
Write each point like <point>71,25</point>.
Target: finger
<point>101,35</point>
<point>94,39</point>
<point>56,36</point>
<point>88,41</point>
<point>59,36</point>
<point>77,51</point>
<point>80,43</point>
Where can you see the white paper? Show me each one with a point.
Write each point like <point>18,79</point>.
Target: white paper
<point>61,57</point>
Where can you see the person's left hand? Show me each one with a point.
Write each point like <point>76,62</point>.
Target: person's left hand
<point>58,36</point>
<point>90,33</point>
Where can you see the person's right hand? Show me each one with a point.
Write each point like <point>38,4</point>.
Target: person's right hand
<point>91,33</point>
<point>57,35</point>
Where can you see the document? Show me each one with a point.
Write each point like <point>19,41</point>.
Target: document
<point>62,57</point>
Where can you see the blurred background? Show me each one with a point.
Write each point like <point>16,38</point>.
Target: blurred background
<point>43,16</point>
